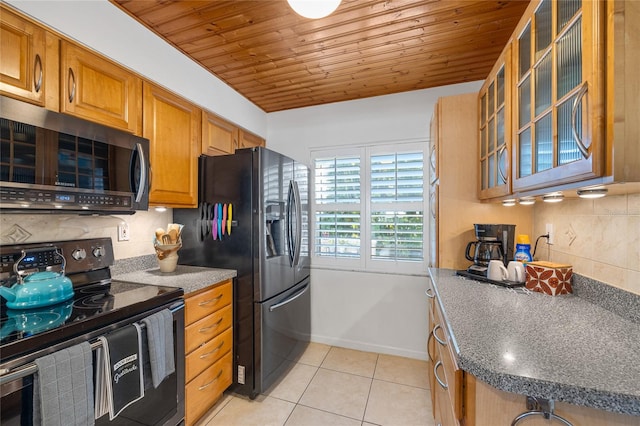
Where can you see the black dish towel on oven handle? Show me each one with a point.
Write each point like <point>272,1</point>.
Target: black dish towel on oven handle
<point>123,365</point>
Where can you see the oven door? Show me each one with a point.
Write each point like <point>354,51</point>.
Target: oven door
<point>163,405</point>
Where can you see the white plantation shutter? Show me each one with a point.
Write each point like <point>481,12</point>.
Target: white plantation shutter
<point>337,216</point>
<point>368,206</point>
<point>397,201</point>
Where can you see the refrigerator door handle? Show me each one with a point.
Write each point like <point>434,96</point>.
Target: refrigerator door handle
<point>298,242</point>
<point>290,243</point>
<point>289,299</point>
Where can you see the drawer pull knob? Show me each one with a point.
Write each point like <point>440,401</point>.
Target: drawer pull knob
<point>441,341</point>
<point>203,387</point>
<point>205,329</point>
<point>203,356</point>
<point>435,373</point>
<point>210,301</point>
<point>429,293</point>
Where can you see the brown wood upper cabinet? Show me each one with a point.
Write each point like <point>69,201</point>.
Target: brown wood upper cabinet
<point>558,66</point>
<point>495,123</point>
<point>29,65</point>
<point>98,90</point>
<point>249,140</point>
<point>172,126</point>
<point>220,137</point>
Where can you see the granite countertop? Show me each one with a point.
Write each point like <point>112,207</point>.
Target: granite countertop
<point>189,278</point>
<point>563,348</point>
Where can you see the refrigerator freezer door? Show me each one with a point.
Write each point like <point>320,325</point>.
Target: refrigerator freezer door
<point>285,322</point>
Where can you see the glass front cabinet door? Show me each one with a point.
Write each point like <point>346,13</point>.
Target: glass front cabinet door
<point>558,128</point>
<point>495,137</point>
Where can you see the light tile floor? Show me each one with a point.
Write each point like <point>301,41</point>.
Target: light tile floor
<point>335,386</point>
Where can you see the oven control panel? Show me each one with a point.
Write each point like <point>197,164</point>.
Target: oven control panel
<point>76,256</point>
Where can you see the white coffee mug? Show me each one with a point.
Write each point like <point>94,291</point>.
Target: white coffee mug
<point>497,271</point>
<point>515,271</point>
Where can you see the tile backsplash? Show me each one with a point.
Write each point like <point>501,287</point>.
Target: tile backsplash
<point>600,238</point>
<point>32,228</point>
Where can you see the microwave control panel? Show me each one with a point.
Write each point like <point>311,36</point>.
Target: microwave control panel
<point>36,198</point>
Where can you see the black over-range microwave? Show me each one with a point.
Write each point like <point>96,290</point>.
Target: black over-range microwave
<point>52,162</point>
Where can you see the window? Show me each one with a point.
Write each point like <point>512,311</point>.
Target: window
<point>368,206</point>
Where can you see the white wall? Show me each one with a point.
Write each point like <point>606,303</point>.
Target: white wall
<point>108,30</point>
<point>355,309</point>
<point>398,117</point>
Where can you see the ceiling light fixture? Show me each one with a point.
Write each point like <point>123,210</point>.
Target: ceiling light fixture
<point>553,198</point>
<point>161,209</point>
<point>509,203</point>
<point>592,193</point>
<point>527,201</point>
<point>314,9</point>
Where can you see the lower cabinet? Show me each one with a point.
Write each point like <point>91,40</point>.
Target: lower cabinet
<point>208,348</point>
<point>459,398</point>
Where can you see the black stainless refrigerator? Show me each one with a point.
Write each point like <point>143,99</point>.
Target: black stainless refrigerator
<point>253,217</point>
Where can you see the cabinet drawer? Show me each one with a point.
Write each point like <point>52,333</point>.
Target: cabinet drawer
<point>203,391</point>
<point>207,354</point>
<point>207,328</point>
<point>207,302</point>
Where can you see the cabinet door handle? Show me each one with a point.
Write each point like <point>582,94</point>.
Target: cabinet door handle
<point>435,373</point>
<point>205,329</point>
<point>203,356</point>
<point>37,66</point>
<point>210,301</point>
<point>574,112</point>
<point>442,342</point>
<point>429,341</point>
<point>429,293</point>
<point>203,387</point>
<point>72,85</point>
<point>501,152</point>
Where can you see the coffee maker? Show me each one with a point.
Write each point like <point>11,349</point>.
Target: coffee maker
<point>493,242</point>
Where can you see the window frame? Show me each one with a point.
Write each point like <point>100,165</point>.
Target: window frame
<point>365,262</point>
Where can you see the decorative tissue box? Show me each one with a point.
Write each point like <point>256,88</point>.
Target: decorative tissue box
<point>549,278</point>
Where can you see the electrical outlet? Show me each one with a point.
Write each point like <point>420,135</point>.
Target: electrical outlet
<point>123,232</point>
<point>551,239</point>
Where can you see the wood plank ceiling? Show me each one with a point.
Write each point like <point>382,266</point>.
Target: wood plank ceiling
<point>280,60</point>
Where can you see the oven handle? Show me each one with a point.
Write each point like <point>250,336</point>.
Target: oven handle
<point>30,368</point>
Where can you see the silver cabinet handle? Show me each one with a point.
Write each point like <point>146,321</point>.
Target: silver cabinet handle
<point>72,85</point>
<point>210,301</point>
<point>429,293</point>
<point>37,65</point>
<point>205,329</point>
<point>429,341</point>
<point>501,151</point>
<point>442,342</point>
<point>203,356</point>
<point>203,387</point>
<point>574,112</point>
<point>435,373</point>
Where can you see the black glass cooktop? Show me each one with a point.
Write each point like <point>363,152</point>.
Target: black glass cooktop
<point>93,306</point>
